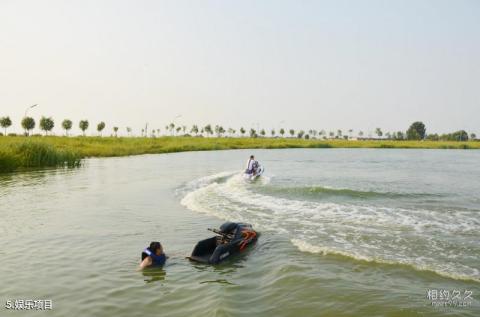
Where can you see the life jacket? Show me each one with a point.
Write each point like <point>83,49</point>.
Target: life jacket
<point>156,259</point>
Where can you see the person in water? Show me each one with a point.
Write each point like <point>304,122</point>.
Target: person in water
<point>252,165</point>
<point>153,256</point>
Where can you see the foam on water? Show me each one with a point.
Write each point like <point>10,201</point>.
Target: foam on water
<point>316,249</point>
<point>315,191</point>
<point>422,239</point>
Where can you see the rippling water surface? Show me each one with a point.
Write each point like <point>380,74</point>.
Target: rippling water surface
<point>344,232</point>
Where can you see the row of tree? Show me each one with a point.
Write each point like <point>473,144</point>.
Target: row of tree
<point>416,131</point>
<point>46,124</point>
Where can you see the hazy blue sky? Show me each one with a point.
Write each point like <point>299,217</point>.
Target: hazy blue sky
<point>312,64</point>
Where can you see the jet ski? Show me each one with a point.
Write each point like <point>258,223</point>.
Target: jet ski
<point>231,238</point>
<point>255,174</point>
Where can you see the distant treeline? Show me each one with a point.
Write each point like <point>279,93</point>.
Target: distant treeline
<point>461,135</point>
<point>416,131</point>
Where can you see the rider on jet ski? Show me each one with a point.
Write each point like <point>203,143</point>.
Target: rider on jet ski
<point>252,165</point>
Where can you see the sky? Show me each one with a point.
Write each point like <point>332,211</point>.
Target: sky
<point>294,64</point>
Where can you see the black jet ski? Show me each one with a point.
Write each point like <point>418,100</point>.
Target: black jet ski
<point>231,238</point>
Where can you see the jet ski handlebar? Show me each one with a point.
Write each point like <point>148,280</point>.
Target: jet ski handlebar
<point>226,235</point>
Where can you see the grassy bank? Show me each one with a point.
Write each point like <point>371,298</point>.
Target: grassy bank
<point>22,152</point>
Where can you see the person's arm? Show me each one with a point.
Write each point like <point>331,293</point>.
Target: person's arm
<point>146,262</point>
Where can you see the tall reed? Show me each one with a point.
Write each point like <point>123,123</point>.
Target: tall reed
<point>29,154</point>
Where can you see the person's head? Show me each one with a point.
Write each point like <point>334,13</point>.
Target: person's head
<point>156,248</point>
<point>252,157</point>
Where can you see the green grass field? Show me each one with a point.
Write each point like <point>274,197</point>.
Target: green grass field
<point>31,152</point>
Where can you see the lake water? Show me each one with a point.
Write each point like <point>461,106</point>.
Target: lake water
<point>344,232</point>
